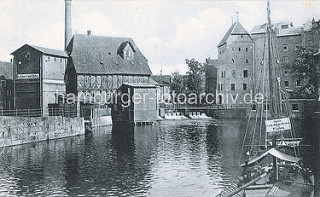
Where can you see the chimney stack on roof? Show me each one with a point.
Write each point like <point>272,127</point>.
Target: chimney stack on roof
<point>89,32</point>
<point>68,23</point>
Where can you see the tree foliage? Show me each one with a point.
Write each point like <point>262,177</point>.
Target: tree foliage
<point>194,80</point>
<point>177,84</point>
<point>305,67</point>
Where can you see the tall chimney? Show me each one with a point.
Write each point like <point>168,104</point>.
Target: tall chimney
<point>68,24</point>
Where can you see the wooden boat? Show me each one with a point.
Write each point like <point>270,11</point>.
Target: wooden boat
<point>285,175</point>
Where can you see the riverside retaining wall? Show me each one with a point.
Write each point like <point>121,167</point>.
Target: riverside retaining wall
<point>21,130</point>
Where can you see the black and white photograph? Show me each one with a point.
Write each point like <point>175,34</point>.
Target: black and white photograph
<point>160,98</point>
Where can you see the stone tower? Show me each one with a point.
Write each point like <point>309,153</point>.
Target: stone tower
<point>68,24</point>
<point>235,65</point>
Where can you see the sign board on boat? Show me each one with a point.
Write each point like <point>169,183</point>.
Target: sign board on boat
<point>275,125</point>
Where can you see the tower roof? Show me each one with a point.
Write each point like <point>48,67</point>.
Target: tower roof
<point>235,29</point>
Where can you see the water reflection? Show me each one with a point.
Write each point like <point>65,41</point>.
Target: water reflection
<point>172,158</point>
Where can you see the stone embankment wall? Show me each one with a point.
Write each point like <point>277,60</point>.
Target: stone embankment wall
<point>21,130</point>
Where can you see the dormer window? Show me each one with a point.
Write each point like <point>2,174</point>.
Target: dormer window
<point>128,54</point>
<point>126,51</point>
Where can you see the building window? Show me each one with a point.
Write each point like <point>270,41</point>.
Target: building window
<point>267,107</point>
<point>244,86</point>
<point>285,47</point>
<point>298,83</point>
<point>247,61</point>
<point>254,107</point>
<point>233,73</point>
<point>232,61</point>
<point>285,72</point>
<point>286,83</point>
<point>239,49</point>
<point>284,26</point>
<point>233,86</point>
<point>285,59</point>
<point>246,49</point>
<point>222,74</point>
<point>60,61</point>
<point>295,107</point>
<point>221,86</point>
<point>27,55</point>
<point>127,54</point>
<point>245,73</point>
<point>3,83</point>
<point>55,59</point>
<point>48,59</point>
<point>296,46</point>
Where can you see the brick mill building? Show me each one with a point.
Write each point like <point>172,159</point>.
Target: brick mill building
<point>100,63</point>
<point>235,65</point>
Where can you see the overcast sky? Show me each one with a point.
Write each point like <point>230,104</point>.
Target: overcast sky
<point>167,32</point>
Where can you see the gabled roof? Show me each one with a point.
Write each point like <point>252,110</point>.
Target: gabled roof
<point>46,51</point>
<point>6,69</point>
<point>293,31</point>
<point>162,79</point>
<point>289,31</point>
<point>235,29</point>
<point>100,55</point>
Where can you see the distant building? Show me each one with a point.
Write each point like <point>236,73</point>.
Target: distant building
<point>6,86</point>
<point>235,65</point>
<point>39,74</point>
<point>211,75</point>
<point>287,38</point>
<point>310,36</point>
<point>164,82</point>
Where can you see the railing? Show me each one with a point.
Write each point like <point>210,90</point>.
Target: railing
<point>62,112</point>
<point>22,112</point>
<point>38,112</point>
<point>214,106</point>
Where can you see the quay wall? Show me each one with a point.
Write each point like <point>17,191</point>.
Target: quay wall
<point>21,130</point>
<point>230,113</point>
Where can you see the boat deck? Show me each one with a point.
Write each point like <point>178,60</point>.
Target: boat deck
<point>258,190</point>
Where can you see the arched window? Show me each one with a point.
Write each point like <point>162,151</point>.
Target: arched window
<point>233,73</point>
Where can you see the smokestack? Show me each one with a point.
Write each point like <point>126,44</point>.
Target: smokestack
<point>68,24</point>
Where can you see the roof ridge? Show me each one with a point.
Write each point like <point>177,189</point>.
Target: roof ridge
<point>234,26</point>
<point>103,36</point>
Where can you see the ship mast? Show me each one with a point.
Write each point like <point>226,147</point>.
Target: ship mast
<point>273,104</point>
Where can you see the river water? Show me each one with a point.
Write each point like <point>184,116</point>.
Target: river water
<point>171,158</point>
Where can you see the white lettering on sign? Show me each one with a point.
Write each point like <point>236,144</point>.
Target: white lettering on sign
<point>28,76</point>
<point>278,125</point>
